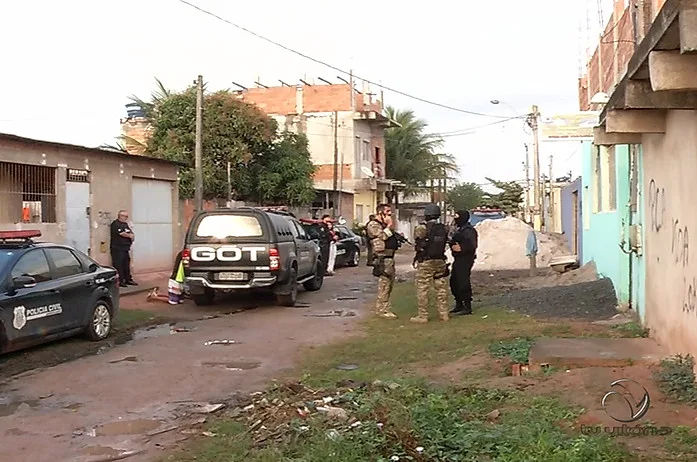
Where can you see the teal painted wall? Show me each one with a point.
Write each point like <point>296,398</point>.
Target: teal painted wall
<point>603,231</point>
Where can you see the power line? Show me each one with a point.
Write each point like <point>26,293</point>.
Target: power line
<point>423,100</point>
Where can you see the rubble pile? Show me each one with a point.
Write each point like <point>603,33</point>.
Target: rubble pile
<point>502,245</point>
<point>291,409</point>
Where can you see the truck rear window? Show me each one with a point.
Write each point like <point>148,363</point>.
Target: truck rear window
<point>224,226</point>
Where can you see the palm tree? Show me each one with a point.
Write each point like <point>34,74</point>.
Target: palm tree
<point>412,154</point>
<point>156,97</point>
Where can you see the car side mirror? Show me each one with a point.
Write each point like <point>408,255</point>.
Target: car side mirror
<point>93,267</point>
<point>23,282</point>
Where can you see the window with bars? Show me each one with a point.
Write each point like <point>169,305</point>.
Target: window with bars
<point>27,193</point>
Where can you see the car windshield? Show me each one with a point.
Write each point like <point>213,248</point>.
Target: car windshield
<point>5,257</point>
<point>221,226</point>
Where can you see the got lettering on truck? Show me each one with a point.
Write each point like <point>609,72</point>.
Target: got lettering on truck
<point>249,248</point>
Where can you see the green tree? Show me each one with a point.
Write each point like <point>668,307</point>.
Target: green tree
<point>465,196</point>
<point>265,164</point>
<point>509,199</point>
<point>412,154</point>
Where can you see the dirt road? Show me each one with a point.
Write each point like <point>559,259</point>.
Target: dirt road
<point>130,398</point>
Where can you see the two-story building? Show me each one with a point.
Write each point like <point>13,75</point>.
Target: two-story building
<point>346,133</point>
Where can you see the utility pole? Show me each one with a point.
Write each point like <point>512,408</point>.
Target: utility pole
<point>550,204</point>
<point>527,182</point>
<point>336,162</point>
<point>537,212</point>
<point>229,185</point>
<point>198,148</point>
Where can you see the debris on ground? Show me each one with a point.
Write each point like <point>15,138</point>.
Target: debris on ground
<point>221,342</point>
<point>347,367</point>
<point>502,245</point>
<point>287,409</point>
<point>333,313</point>
<point>131,359</point>
<point>594,300</point>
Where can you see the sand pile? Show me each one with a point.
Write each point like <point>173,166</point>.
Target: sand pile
<point>502,245</point>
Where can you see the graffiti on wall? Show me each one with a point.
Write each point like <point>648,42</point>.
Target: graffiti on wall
<point>657,206</point>
<point>104,218</point>
<point>679,241</point>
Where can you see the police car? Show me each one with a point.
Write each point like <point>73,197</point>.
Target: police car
<point>50,291</point>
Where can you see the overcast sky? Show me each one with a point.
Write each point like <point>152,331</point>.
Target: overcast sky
<point>70,66</point>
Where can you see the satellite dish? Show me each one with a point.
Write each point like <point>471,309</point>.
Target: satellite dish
<point>368,172</point>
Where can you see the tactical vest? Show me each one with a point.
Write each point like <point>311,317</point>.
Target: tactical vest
<point>436,240</point>
<point>391,243</point>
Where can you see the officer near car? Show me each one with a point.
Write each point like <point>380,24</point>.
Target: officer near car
<point>380,231</point>
<point>431,239</point>
<point>463,245</point>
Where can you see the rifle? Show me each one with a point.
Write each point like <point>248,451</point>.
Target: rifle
<point>402,240</point>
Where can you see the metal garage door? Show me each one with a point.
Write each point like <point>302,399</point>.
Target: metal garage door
<point>151,217</point>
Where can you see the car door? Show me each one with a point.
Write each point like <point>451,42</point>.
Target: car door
<point>76,285</point>
<point>35,310</point>
<point>305,253</point>
<point>343,245</point>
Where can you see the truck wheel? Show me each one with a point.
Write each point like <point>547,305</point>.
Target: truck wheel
<point>204,299</point>
<point>289,299</point>
<point>316,282</point>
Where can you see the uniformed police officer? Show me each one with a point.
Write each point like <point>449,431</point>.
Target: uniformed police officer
<point>464,248</point>
<point>380,231</point>
<point>431,237</point>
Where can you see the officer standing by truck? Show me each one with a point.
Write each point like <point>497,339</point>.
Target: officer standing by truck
<point>463,245</point>
<point>431,238</point>
<point>380,231</point>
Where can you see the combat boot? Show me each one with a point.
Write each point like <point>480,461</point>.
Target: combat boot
<point>387,315</point>
<point>419,320</point>
<point>467,307</point>
<point>459,306</point>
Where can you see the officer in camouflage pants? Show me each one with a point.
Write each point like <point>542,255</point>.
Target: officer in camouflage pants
<point>380,231</point>
<point>431,239</point>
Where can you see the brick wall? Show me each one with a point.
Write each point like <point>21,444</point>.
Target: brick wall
<point>609,62</point>
<point>136,132</point>
<point>325,172</point>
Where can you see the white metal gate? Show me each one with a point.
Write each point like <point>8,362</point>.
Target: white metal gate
<point>77,206</point>
<point>151,217</point>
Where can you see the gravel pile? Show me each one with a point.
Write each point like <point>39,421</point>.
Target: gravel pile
<point>595,300</point>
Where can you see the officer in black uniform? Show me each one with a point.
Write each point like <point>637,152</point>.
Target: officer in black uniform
<point>463,245</point>
<point>120,246</point>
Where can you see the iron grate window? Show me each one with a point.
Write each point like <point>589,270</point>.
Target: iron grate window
<point>27,193</point>
<point>77,176</point>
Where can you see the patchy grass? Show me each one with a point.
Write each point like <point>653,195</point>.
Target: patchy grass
<point>517,351</point>
<point>419,423</point>
<point>632,330</point>
<point>682,443</point>
<point>414,420</point>
<point>676,379</point>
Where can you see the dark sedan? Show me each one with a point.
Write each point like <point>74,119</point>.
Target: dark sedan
<point>348,247</point>
<point>51,291</point>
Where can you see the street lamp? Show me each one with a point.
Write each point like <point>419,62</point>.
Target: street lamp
<point>497,102</point>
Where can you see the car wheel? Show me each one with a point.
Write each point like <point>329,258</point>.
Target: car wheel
<point>99,326</point>
<point>316,282</point>
<point>355,258</point>
<point>204,299</point>
<point>290,298</point>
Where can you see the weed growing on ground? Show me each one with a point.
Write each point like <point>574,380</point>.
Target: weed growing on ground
<point>129,318</point>
<point>682,443</point>
<point>676,378</point>
<point>632,330</point>
<point>517,350</point>
<point>423,423</point>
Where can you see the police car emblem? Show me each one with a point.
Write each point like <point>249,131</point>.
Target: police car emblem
<point>20,318</point>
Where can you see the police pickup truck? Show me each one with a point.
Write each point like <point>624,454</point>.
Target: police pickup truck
<point>249,248</point>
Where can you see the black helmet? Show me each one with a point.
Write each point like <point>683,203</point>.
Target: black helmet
<point>432,211</point>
